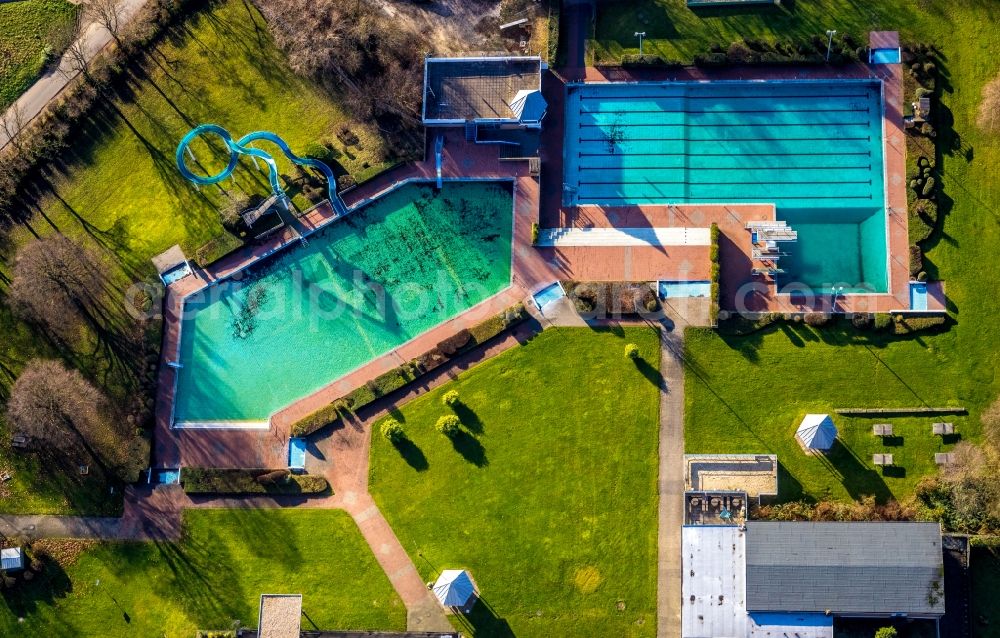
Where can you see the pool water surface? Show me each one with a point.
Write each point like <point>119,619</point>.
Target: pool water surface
<point>361,286</point>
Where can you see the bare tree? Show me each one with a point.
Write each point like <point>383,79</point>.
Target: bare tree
<point>989,109</point>
<point>108,14</point>
<point>13,123</point>
<point>64,413</point>
<point>58,284</point>
<point>352,47</point>
<point>76,60</point>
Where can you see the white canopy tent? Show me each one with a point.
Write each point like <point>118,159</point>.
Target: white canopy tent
<point>817,432</point>
<point>454,588</point>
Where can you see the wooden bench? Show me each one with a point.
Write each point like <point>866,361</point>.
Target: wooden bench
<point>882,460</point>
<point>882,429</point>
<point>943,429</point>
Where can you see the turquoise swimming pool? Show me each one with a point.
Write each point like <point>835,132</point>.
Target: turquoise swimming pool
<point>360,287</point>
<point>813,148</point>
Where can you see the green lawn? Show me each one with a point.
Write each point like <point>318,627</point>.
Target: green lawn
<point>985,616</point>
<point>676,32</point>
<point>121,195</point>
<point>549,494</point>
<point>750,389</point>
<point>748,394</point>
<point>210,579</point>
<point>31,32</point>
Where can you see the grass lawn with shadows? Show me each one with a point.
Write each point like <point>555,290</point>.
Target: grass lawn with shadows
<point>210,579</point>
<point>121,196</point>
<point>548,495</point>
<point>749,394</point>
<point>32,32</point>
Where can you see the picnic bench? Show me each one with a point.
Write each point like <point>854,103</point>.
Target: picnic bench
<point>882,460</point>
<point>882,429</point>
<point>944,458</point>
<point>19,440</point>
<point>943,429</point>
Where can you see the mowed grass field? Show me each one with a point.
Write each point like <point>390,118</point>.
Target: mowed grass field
<point>120,194</point>
<point>31,33</point>
<point>749,394</point>
<point>211,579</point>
<point>548,496</point>
<point>744,393</point>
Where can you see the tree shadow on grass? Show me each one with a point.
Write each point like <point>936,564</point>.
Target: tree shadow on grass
<point>483,622</point>
<point>856,477</point>
<point>789,488</point>
<point>470,448</point>
<point>652,374</point>
<point>412,454</point>
<point>468,417</point>
<point>48,585</point>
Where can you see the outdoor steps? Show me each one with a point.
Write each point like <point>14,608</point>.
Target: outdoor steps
<point>624,237</point>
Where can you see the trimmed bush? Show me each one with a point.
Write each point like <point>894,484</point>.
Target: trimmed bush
<point>632,351</point>
<point>392,430</point>
<point>863,320</point>
<point>272,477</point>
<point>928,188</point>
<point>916,260</point>
<point>448,425</point>
<point>910,325</point>
<point>816,319</point>
<point>197,480</point>
<point>886,632</point>
<point>635,60</point>
<point>318,419</point>
<point>450,398</point>
<point>882,320</point>
<point>534,233</point>
<point>454,343</point>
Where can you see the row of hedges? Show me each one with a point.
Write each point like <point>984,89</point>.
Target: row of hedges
<point>613,298</point>
<point>876,322</point>
<point>713,255</point>
<point>199,480</point>
<point>923,180</point>
<point>463,341</point>
<point>650,61</point>
<point>845,50</point>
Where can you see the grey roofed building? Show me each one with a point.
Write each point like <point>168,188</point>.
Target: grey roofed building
<point>482,89</point>
<point>847,569</point>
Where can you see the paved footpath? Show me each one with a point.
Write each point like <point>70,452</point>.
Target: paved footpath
<point>94,38</point>
<point>671,482</point>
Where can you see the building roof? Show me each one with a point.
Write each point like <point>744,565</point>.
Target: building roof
<point>11,558</point>
<point>461,89</point>
<point>280,616</point>
<point>454,588</point>
<point>169,259</point>
<point>817,431</point>
<point>713,586</point>
<point>878,568</point>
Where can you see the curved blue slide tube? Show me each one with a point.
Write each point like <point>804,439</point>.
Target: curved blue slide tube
<point>241,147</point>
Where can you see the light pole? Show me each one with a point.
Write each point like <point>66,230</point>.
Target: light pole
<point>640,35</point>
<point>829,43</point>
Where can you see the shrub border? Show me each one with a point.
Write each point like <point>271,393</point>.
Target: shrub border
<point>401,376</point>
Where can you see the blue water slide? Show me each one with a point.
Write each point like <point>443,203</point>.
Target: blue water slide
<point>242,147</point>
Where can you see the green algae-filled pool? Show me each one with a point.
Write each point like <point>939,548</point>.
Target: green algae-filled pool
<point>312,313</point>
